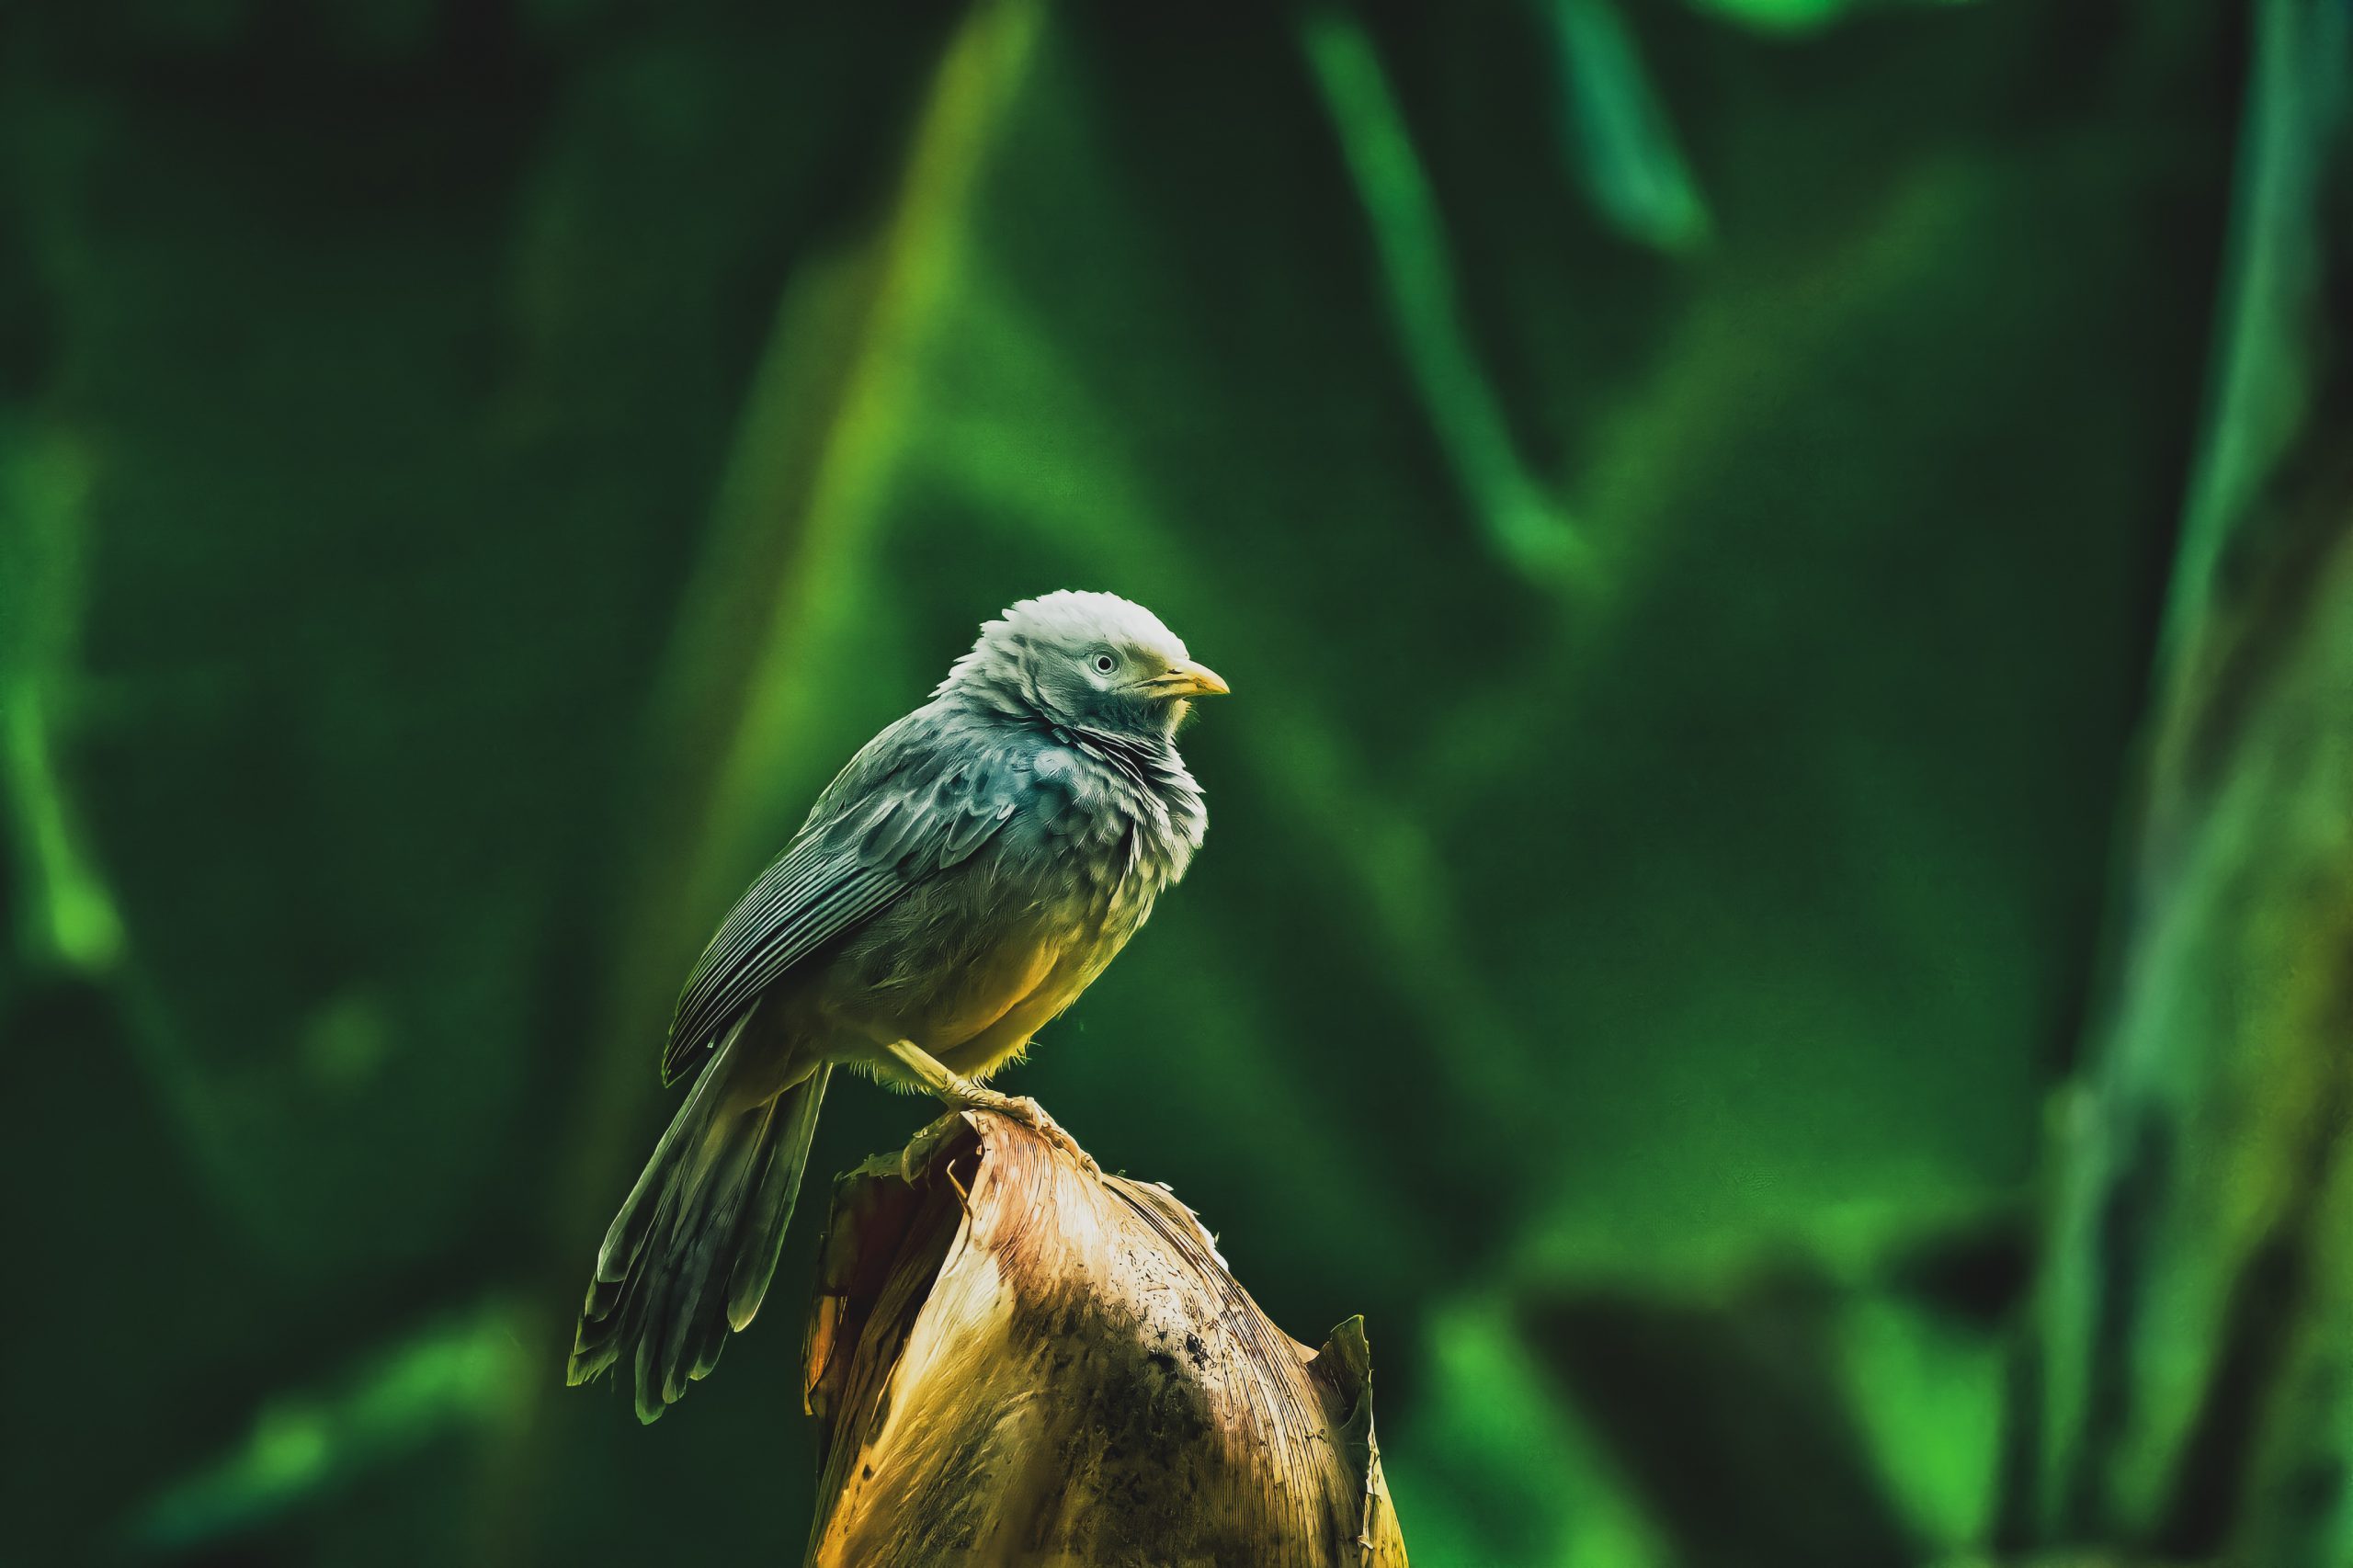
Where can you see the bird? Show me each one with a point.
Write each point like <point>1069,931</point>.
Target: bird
<point>959,884</point>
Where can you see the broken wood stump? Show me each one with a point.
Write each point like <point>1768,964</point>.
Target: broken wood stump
<point>1014,1358</point>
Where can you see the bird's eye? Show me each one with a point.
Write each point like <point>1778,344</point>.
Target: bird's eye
<point>1104,664</point>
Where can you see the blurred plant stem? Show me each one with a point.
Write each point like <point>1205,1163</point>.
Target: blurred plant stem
<point>2196,1342</point>
<point>66,914</point>
<point>68,922</point>
<point>1620,142</point>
<point>1523,524</point>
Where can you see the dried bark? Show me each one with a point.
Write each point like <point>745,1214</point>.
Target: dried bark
<point>1015,1359</point>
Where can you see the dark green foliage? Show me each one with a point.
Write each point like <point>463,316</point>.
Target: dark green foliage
<point>1684,496</point>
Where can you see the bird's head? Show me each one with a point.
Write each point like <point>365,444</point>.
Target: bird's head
<point>1092,660</point>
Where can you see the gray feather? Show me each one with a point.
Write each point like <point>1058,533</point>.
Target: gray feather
<point>779,1191</point>
<point>934,800</point>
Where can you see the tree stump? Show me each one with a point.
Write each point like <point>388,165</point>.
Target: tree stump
<point>1015,1359</point>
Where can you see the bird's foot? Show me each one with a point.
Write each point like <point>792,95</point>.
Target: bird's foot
<point>1030,1114</point>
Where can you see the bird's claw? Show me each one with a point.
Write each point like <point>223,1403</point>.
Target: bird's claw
<point>1032,1115</point>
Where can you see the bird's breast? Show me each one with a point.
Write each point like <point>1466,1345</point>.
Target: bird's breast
<point>969,965</point>
<point>1122,833</point>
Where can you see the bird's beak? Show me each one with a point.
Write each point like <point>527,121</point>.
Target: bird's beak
<point>1190,680</point>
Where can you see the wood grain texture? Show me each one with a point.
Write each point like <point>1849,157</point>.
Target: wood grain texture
<point>1015,1360</point>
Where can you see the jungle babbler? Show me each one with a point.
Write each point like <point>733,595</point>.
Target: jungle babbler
<point>1767,970</point>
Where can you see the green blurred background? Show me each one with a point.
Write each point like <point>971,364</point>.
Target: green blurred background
<point>1686,495</point>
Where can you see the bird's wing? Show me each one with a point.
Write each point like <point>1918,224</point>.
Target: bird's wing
<point>914,803</point>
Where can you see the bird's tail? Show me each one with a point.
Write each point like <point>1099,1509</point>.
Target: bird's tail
<point>691,1252</point>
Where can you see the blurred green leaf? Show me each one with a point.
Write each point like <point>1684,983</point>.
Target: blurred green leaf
<point>1798,16</point>
<point>1504,1470</point>
<point>453,1379</point>
<point>1616,134</point>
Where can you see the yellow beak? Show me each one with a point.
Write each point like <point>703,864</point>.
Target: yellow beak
<point>1192,680</point>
